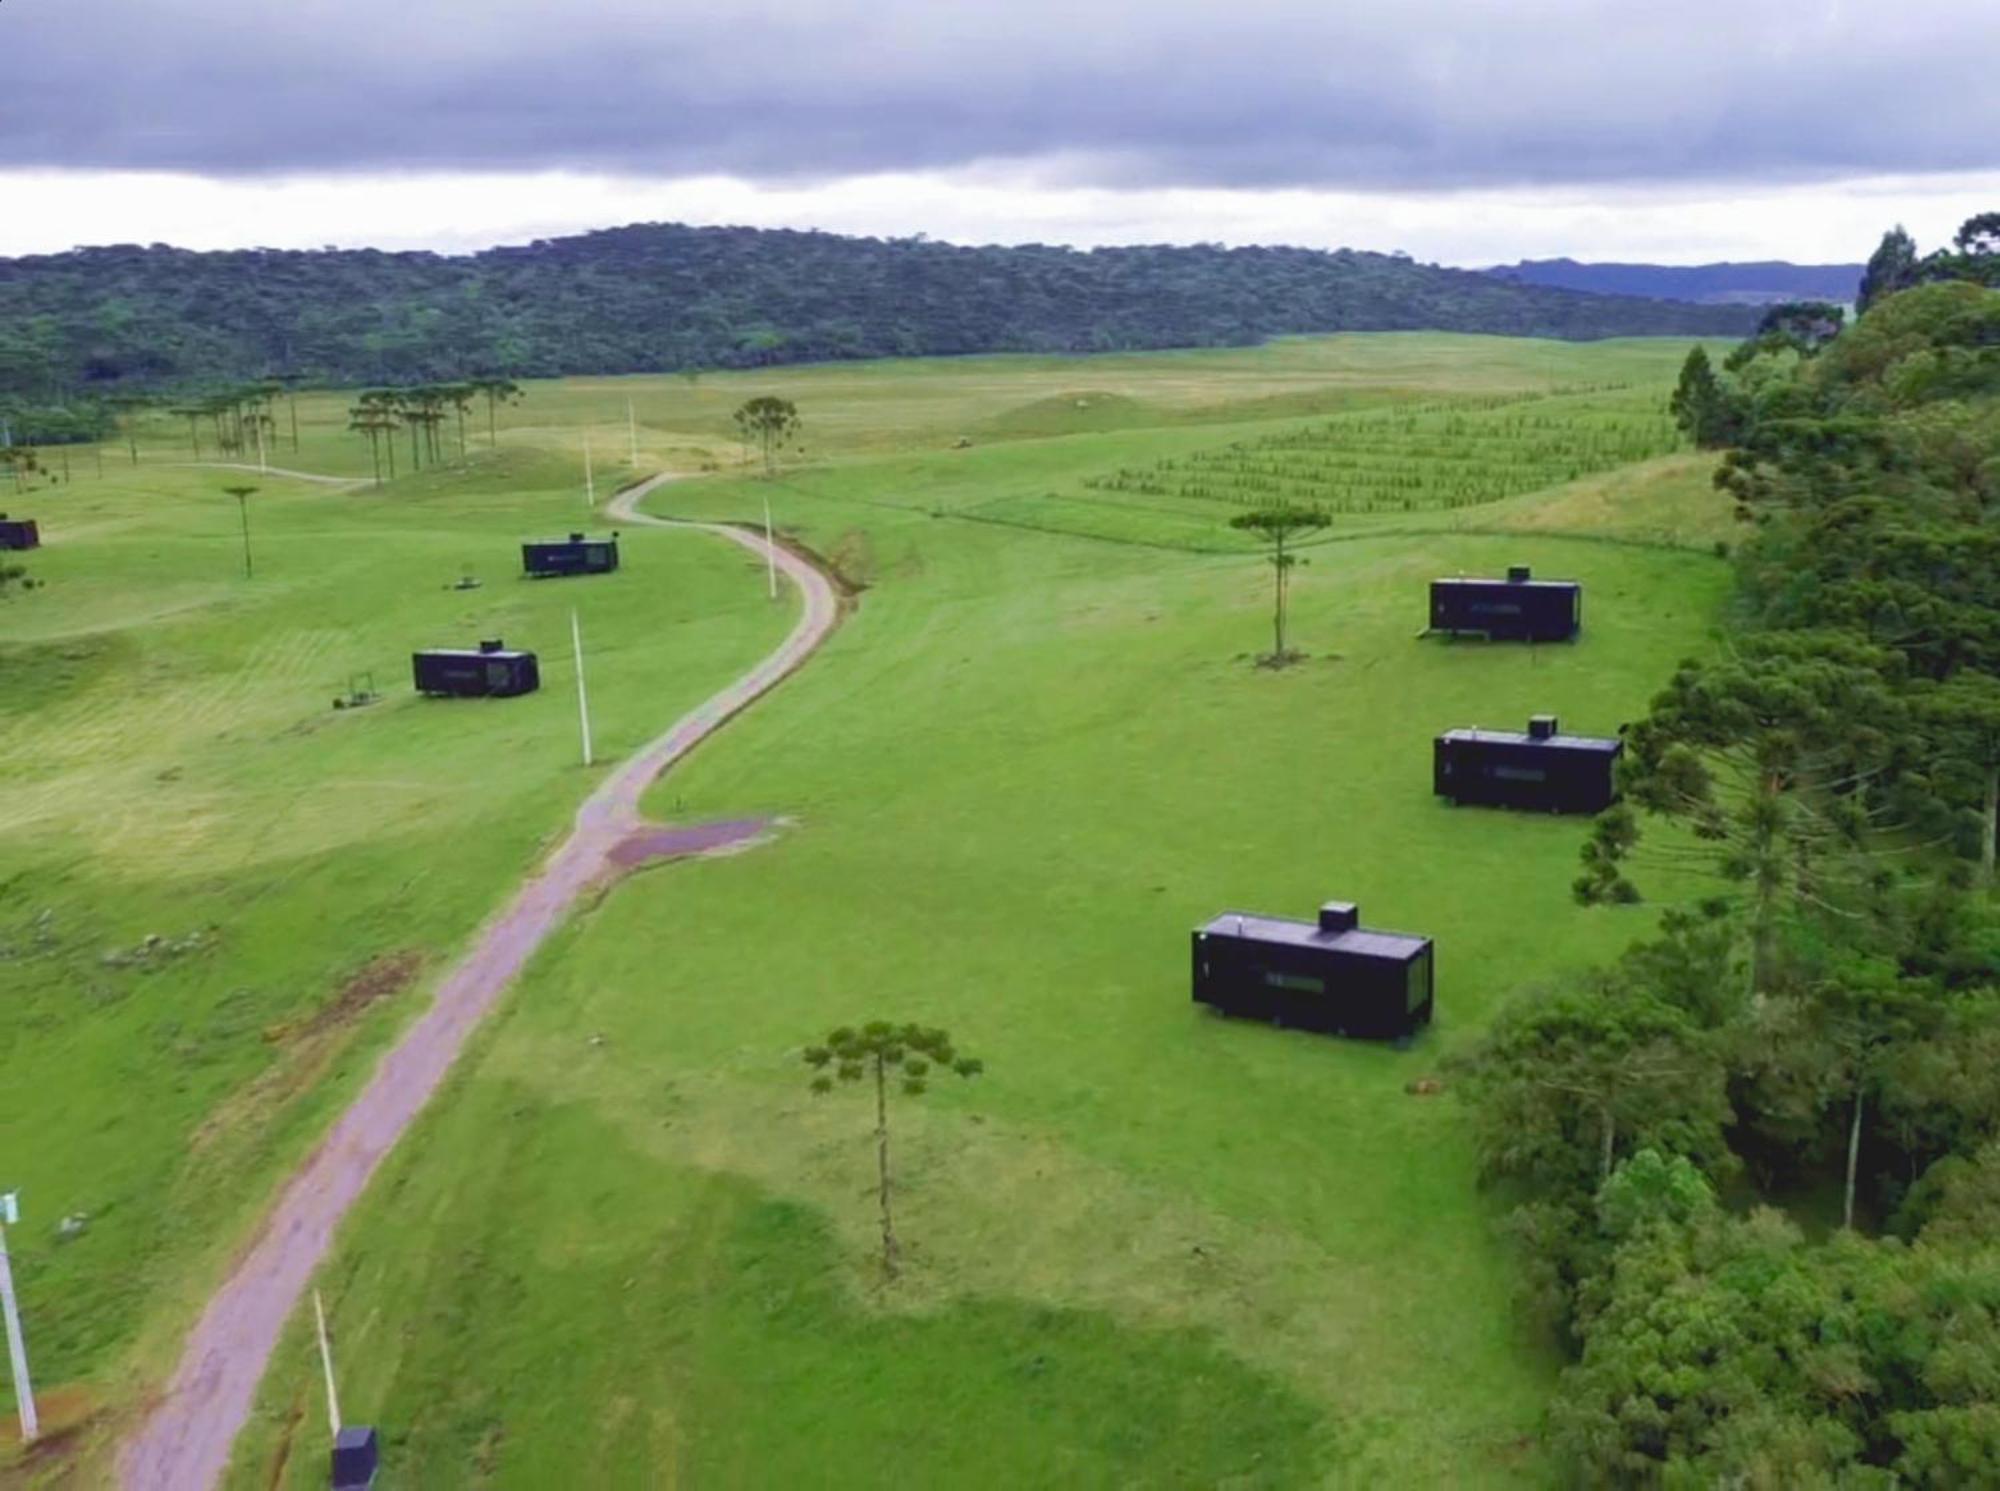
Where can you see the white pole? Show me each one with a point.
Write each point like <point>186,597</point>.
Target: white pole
<point>589,481</point>
<point>770,552</point>
<point>326,1364</point>
<point>17,1349</point>
<point>582,699</point>
<point>632,429</point>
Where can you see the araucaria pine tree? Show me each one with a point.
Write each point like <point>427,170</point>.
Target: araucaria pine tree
<point>878,1052</point>
<point>1278,526</point>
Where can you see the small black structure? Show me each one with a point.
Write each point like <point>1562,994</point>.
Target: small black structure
<point>490,672</point>
<point>19,533</point>
<point>1330,975</point>
<point>1541,769</point>
<point>354,1459</point>
<point>1516,609</point>
<point>575,555</point>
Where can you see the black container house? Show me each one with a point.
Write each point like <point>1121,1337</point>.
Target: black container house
<point>1516,609</point>
<point>356,1457</point>
<point>490,672</point>
<point>1541,769</point>
<point>1331,975</point>
<point>575,555</point>
<point>19,533</point>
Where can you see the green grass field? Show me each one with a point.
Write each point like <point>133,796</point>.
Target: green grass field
<point>1146,1247</point>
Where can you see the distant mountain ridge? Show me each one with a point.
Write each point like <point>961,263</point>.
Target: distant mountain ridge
<point>1760,282</point>
<point>662,296</point>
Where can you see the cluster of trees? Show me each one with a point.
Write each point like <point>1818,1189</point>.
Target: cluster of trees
<point>1818,1035</point>
<point>422,411</point>
<point>654,297</point>
<point>1974,255</point>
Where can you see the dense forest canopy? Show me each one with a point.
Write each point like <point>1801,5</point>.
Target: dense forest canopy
<point>660,297</point>
<point>1756,1163</point>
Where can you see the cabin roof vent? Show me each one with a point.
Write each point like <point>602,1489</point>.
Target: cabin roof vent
<point>1339,916</point>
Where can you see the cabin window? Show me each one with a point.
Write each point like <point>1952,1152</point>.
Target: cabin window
<point>1303,983</point>
<point>1418,991</point>
<point>1518,774</point>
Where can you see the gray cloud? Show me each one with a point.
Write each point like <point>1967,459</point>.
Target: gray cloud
<point>1421,94</point>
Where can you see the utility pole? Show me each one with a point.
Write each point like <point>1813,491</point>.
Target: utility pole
<point>17,1349</point>
<point>589,481</point>
<point>770,552</point>
<point>242,496</point>
<point>326,1365</point>
<point>632,429</point>
<point>582,699</point>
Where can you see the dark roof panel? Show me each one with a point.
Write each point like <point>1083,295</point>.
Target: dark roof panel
<point>1505,583</point>
<point>1606,743</point>
<point>1400,945</point>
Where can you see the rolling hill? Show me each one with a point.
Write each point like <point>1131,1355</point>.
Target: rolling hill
<point>1763,282</point>
<point>658,297</point>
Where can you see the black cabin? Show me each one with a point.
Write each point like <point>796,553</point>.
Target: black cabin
<point>19,533</point>
<point>490,672</point>
<point>1516,609</point>
<point>1541,769</point>
<point>355,1458</point>
<point>1332,975</point>
<point>575,555</point>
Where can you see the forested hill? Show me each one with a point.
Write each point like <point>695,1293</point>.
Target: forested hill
<point>1765,282</point>
<point>662,296</point>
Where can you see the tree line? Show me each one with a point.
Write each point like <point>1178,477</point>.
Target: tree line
<point>1755,1164</point>
<point>661,297</point>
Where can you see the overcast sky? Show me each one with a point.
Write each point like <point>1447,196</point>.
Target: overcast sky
<point>1469,131</point>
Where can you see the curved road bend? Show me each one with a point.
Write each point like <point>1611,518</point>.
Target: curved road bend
<point>185,1442</point>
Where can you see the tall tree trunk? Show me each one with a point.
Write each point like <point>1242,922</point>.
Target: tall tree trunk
<point>293,400</point>
<point>1853,1158</point>
<point>1278,606</point>
<point>375,454</point>
<point>492,419</point>
<point>1990,824</point>
<point>389,441</point>
<point>1605,1154</point>
<point>889,1249</point>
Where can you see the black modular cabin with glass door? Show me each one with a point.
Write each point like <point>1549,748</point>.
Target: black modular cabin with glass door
<point>1519,608</point>
<point>19,533</point>
<point>1541,769</point>
<point>1331,975</point>
<point>490,672</point>
<point>575,555</point>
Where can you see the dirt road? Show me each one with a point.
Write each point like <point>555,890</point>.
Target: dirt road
<point>323,481</point>
<point>184,1445</point>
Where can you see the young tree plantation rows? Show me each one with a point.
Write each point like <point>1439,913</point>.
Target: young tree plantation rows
<point>1448,454</point>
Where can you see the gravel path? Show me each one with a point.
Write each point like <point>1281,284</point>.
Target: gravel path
<point>184,1444</point>
<point>324,481</point>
